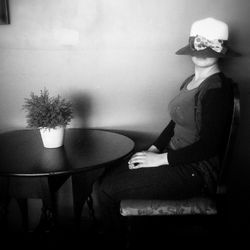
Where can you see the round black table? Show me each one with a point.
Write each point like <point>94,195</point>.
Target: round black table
<point>84,156</point>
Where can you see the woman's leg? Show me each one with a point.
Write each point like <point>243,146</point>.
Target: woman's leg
<point>164,182</point>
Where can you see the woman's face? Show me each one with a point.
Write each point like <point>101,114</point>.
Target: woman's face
<point>204,62</point>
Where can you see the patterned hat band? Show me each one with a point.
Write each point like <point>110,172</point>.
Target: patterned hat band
<point>198,43</point>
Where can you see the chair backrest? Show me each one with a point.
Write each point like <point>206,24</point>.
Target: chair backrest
<point>232,132</point>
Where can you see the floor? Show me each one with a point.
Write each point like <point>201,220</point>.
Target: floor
<point>153,233</point>
<point>147,233</point>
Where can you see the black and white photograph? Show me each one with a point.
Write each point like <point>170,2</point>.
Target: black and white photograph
<point>124,124</point>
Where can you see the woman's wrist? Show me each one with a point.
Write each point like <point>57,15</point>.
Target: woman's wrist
<point>153,149</point>
<point>164,158</point>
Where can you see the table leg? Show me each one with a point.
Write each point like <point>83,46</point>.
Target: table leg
<point>4,203</point>
<point>82,188</point>
<point>91,207</point>
<point>23,205</point>
<point>47,220</point>
<point>50,186</point>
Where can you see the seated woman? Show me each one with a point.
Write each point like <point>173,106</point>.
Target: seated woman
<point>185,159</point>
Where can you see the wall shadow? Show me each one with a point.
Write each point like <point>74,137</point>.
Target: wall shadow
<point>82,108</point>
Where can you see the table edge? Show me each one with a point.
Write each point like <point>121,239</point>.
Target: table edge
<point>48,174</point>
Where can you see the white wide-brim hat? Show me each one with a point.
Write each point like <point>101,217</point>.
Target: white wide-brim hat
<point>208,38</point>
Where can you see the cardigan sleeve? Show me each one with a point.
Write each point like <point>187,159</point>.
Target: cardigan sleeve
<point>216,107</point>
<point>164,138</point>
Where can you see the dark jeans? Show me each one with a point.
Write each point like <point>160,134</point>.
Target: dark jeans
<point>164,182</point>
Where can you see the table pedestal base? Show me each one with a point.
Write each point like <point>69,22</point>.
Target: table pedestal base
<point>45,188</point>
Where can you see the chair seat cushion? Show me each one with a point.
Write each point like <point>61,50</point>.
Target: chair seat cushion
<point>200,205</point>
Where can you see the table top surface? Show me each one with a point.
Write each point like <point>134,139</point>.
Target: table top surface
<point>23,154</point>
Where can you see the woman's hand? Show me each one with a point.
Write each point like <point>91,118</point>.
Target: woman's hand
<point>147,159</point>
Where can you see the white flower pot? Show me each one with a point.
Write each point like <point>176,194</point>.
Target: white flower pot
<point>52,138</point>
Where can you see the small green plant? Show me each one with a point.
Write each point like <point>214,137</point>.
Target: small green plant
<point>44,111</point>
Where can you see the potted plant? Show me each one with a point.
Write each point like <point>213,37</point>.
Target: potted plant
<point>50,114</point>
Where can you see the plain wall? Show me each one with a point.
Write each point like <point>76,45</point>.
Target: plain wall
<point>115,60</point>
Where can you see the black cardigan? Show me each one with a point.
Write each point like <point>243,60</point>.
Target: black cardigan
<point>214,109</point>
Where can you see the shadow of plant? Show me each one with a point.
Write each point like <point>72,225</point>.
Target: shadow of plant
<point>82,108</point>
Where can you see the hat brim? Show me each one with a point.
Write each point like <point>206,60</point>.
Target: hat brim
<point>208,52</point>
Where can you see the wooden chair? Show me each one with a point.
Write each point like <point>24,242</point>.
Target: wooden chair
<point>197,205</point>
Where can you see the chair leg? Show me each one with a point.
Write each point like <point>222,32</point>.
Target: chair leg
<point>128,221</point>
